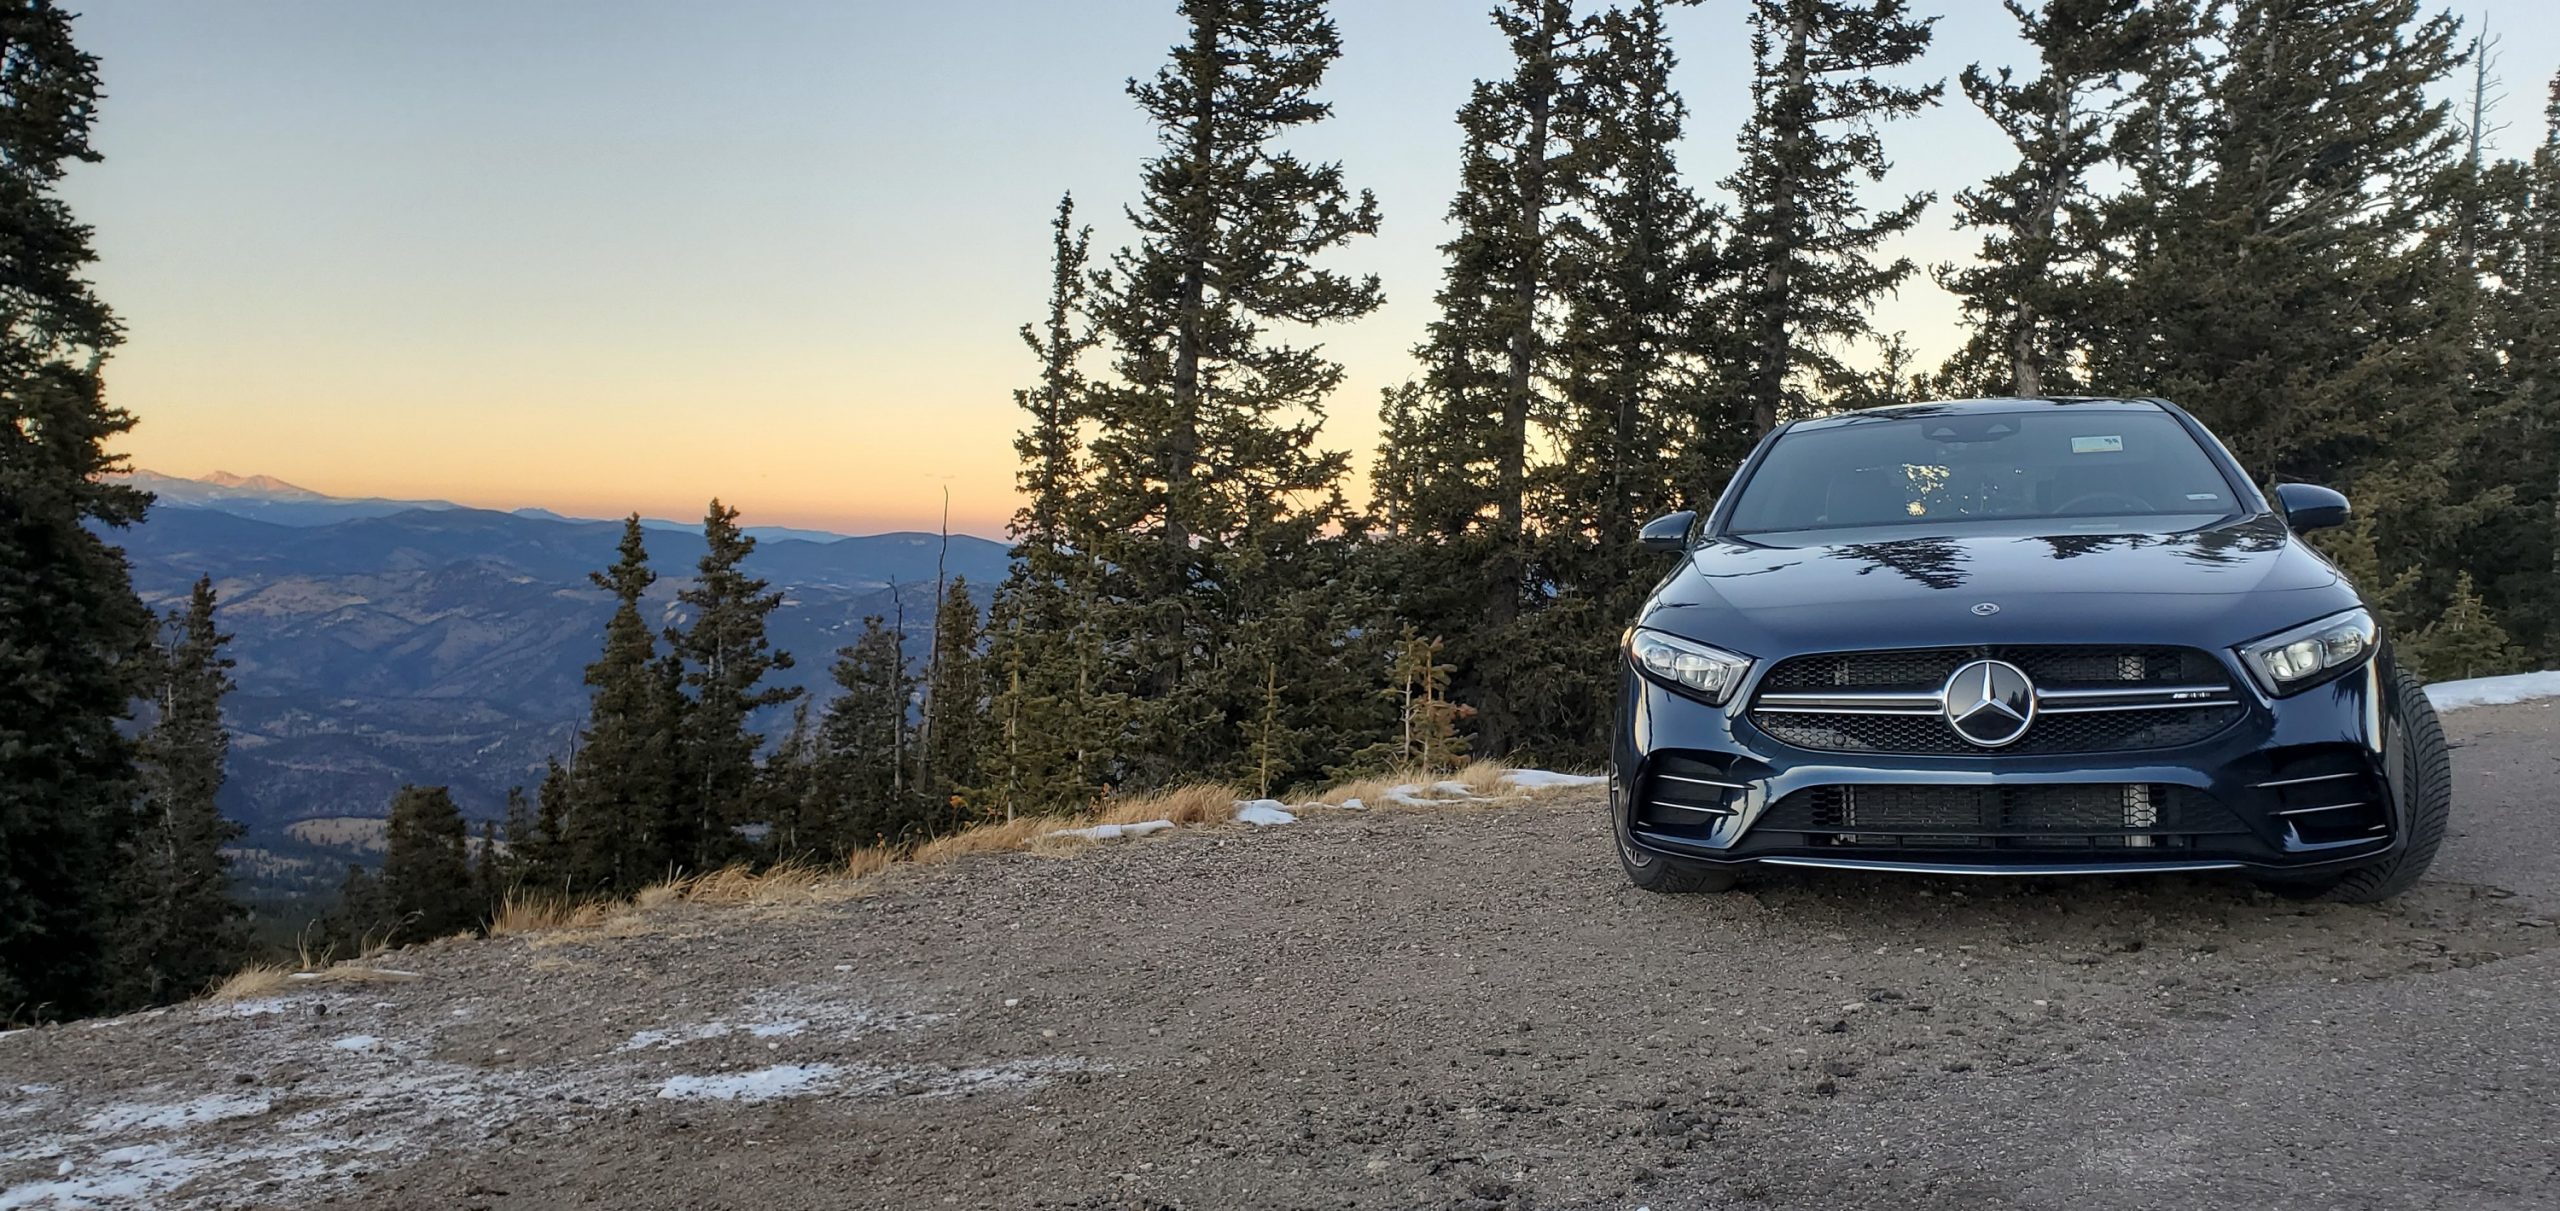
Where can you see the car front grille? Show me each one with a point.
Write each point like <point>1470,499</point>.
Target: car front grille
<point>2089,700</point>
<point>2037,816</point>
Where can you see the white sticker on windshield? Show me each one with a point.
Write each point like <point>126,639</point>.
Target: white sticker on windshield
<point>2110,444</point>
<point>2202,496</point>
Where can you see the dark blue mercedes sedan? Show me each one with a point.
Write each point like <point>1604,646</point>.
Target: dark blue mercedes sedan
<point>2017,637</point>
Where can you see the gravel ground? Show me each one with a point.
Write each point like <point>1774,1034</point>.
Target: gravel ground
<point>1409,1008</point>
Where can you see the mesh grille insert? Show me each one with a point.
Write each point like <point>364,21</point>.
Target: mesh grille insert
<point>2077,815</point>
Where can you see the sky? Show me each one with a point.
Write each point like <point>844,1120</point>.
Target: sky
<point>600,256</point>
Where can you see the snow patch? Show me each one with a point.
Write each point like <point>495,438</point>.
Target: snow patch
<point>761,1085</point>
<point>1261,812</point>
<point>1353,805</point>
<point>774,1016</point>
<point>170,1117</point>
<point>2494,691</point>
<point>346,1116</point>
<point>1113,832</point>
<point>123,1177</point>
<point>1541,779</point>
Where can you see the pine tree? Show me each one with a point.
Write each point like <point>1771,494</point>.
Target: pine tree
<point>1644,423</point>
<point>1454,467</point>
<point>2517,435</point>
<point>426,872</point>
<point>624,779</point>
<point>74,639</point>
<point>865,739</point>
<point>2311,167</point>
<point>2322,155</point>
<point>177,927</point>
<point>952,738</point>
<point>489,875</point>
<point>1055,726</point>
<point>2464,641</point>
<point>1426,720</point>
<point>1805,247</point>
<point>784,800</point>
<point>1203,462</point>
<point>726,658</point>
<point>2029,297</point>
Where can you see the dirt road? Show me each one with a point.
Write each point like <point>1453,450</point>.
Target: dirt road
<point>1417,1008</point>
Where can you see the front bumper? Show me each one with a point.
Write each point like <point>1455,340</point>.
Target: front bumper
<point>1703,784</point>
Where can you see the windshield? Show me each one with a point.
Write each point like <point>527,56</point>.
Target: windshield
<point>2106,470</point>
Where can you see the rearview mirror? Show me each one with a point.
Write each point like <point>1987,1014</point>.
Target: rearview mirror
<point>2309,507</point>
<point>1669,532</point>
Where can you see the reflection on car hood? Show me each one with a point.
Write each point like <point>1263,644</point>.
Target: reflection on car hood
<point>2204,588</point>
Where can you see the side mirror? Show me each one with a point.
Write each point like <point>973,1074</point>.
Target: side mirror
<point>1669,532</point>
<point>2309,507</point>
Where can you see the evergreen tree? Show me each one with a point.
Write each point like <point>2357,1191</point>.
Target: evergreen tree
<point>1454,466</point>
<point>953,733</point>
<point>1805,247</point>
<point>489,875</point>
<point>359,920</point>
<point>2311,167</point>
<point>1055,726</point>
<point>2516,436</point>
<point>2463,641</point>
<point>726,658</point>
<point>74,640</point>
<point>426,873</point>
<point>177,927</point>
<point>1645,423</point>
<point>1203,462</point>
<point>796,817</point>
<point>2028,299</point>
<point>525,859</point>
<point>624,779</point>
<point>866,738</point>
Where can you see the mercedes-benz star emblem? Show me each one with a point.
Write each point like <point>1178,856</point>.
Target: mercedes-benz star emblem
<point>1989,702</point>
<point>1986,608</point>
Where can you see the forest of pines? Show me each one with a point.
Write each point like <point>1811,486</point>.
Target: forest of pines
<point>2267,210</point>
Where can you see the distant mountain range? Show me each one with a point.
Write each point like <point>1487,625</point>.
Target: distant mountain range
<point>383,642</point>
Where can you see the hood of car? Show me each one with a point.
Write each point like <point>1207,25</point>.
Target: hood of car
<point>2210,588</point>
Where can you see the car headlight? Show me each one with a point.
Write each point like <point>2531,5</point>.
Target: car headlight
<point>1694,668</point>
<point>2311,653</point>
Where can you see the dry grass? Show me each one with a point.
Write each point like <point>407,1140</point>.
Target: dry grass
<point>1001,837</point>
<point>268,979</point>
<point>793,884</point>
<point>541,912</point>
<point>251,982</point>
<point>1198,803</point>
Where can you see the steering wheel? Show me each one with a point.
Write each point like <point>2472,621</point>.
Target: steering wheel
<point>2103,498</point>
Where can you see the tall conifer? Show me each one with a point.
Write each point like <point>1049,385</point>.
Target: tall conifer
<point>1806,247</point>
<point>1203,461</point>
<point>624,777</point>
<point>2028,297</point>
<point>726,658</point>
<point>426,870</point>
<point>74,640</point>
<point>177,926</point>
<point>865,736</point>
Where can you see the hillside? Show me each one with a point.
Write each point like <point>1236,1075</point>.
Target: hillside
<point>1459,1006</point>
<point>383,642</point>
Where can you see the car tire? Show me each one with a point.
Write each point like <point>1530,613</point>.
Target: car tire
<point>2426,785</point>
<point>1670,876</point>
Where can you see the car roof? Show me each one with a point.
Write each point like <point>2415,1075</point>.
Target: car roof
<point>1982,407</point>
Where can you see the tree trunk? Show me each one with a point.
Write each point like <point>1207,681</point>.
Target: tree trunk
<point>1508,567</point>
<point>1777,290</point>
